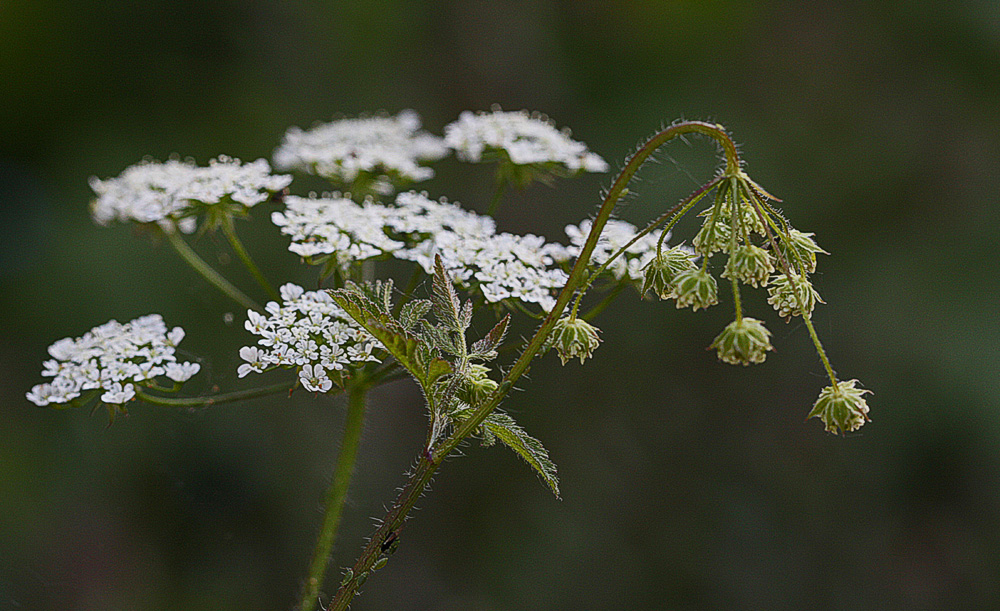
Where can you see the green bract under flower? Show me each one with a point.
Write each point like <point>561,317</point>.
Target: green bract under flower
<point>799,249</point>
<point>695,288</point>
<point>842,408</point>
<point>783,297</point>
<point>661,272</point>
<point>743,342</point>
<point>749,264</point>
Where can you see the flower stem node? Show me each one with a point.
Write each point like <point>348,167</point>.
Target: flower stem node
<point>742,342</point>
<point>696,288</point>
<point>842,408</point>
<point>790,295</point>
<point>749,264</point>
<point>660,273</point>
<point>574,337</point>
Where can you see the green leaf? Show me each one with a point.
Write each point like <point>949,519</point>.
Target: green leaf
<point>502,427</point>
<point>446,303</point>
<point>413,312</point>
<point>486,348</point>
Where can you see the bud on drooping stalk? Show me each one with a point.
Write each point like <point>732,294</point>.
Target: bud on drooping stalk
<point>743,342</point>
<point>799,247</point>
<point>661,271</point>
<point>842,408</point>
<point>574,337</point>
<point>712,237</point>
<point>696,288</point>
<point>783,297</point>
<point>750,265</point>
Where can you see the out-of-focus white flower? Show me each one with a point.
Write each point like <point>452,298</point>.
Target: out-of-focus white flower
<point>615,235</point>
<point>170,193</point>
<point>112,357</point>
<point>524,139</point>
<point>308,331</point>
<point>382,147</point>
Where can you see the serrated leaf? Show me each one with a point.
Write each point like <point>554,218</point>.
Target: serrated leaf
<point>502,427</point>
<point>465,317</point>
<point>413,312</point>
<point>486,347</point>
<point>446,302</point>
<point>401,345</point>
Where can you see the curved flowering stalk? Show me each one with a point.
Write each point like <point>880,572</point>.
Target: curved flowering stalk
<point>384,539</point>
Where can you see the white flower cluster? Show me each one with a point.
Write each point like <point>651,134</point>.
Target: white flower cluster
<point>526,139</point>
<point>168,193</point>
<point>308,331</point>
<point>616,234</point>
<point>391,148</point>
<point>113,357</point>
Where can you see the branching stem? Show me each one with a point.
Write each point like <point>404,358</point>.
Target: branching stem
<point>232,397</point>
<point>241,252</point>
<point>214,278</point>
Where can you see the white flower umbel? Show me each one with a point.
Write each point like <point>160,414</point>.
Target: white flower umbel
<point>113,357</point>
<point>175,192</point>
<point>310,332</point>
<point>616,234</point>
<point>390,149</point>
<point>520,138</point>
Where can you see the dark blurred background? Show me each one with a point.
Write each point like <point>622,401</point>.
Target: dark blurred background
<point>687,484</point>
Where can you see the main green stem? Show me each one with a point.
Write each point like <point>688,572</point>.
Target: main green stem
<point>431,459</point>
<point>336,494</point>
<point>241,252</point>
<point>214,278</point>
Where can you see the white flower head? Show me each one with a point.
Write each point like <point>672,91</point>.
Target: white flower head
<point>112,357</point>
<point>522,138</point>
<point>308,331</point>
<point>173,192</point>
<point>389,150</point>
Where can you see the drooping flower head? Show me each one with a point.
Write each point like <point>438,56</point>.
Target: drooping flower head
<point>173,193</point>
<point>309,332</point>
<point>382,152</point>
<point>114,358</point>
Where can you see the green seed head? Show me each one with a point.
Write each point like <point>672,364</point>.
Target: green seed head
<point>798,248</point>
<point>743,342</point>
<point>574,337</point>
<point>842,408</point>
<point>696,288</point>
<point>783,297</point>
<point>712,237</point>
<point>660,272</point>
<point>749,264</point>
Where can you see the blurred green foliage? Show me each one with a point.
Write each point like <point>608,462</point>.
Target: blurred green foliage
<point>687,484</point>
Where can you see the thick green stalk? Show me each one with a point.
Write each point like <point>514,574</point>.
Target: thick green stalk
<point>214,278</point>
<point>356,399</point>
<point>432,458</point>
<point>241,252</point>
<point>240,395</point>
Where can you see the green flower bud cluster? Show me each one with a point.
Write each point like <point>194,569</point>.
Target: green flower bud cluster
<point>743,341</point>
<point>661,272</point>
<point>477,386</point>
<point>791,295</point>
<point>573,337</point>
<point>842,407</point>
<point>749,264</point>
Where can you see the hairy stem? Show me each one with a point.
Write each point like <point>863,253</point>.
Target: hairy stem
<point>432,458</point>
<point>241,252</point>
<point>214,278</point>
<point>232,397</point>
<point>336,494</point>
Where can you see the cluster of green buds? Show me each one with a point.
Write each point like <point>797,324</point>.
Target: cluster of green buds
<point>761,250</point>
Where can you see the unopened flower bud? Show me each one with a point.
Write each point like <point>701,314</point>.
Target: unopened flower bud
<point>842,408</point>
<point>783,297</point>
<point>660,272</point>
<point>477,386</point>
<point>749,264</point>
<point>743,342</point>
<point>574,337</point>
<point>800,248</point>
<point>696,288</point>
<point>713,236</point>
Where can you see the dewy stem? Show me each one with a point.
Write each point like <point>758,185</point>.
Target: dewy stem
<point>241,252</point>
<point>214,278</point>
<point>239,395</point>
<point>356,400</point>
<point>432,458</point>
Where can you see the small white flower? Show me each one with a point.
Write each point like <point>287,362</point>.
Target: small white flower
<point>182,372</point>
<point>119,394</point>
<point>314,378</point>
